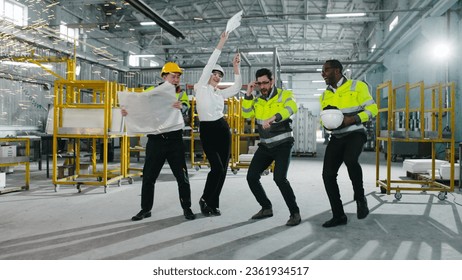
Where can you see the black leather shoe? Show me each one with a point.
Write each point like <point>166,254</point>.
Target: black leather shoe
<point>188,214</point>
<point>205,209</point>
<point>141,215</point>
<point>342,220</point>
<point>263,213</point>
<point>215,211</point>
<point>294,220</point>
<point>362,209</point>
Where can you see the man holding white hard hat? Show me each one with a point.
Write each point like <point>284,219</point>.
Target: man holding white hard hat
<point>345,106</point>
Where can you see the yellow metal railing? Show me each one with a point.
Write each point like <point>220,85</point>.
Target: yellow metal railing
<point>428,127</point>
<point>15,161</point>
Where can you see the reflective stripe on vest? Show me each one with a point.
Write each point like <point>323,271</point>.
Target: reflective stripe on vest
<point>350,128</point>
<point>276,138</point>
<point>352,88</point>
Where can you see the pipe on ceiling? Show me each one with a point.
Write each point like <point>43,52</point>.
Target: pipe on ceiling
<point>151,14</point>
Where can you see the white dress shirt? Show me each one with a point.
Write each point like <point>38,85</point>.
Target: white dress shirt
<point>210,101</point>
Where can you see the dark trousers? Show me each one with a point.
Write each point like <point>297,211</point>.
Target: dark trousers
<point>343,150</point>
<point>216,142</point>
<point>261,160</point>
<point>159,148</point>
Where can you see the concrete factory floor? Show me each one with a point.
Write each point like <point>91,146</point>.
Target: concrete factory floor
<point>41,224</point>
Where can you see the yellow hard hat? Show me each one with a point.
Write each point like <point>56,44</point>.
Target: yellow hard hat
<point>171,67</point>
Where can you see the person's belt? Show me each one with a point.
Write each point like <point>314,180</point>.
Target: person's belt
<point>167,135</point>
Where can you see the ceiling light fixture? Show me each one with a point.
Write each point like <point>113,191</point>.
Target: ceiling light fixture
<point>25,64</point>
<point>441,51</point>
<point>143,55</point>
<point>145,23</point>
<point>151,14</point>
<point>334,15</point>
<point>257,53</point>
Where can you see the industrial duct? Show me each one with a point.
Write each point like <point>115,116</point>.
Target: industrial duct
<point>150,13</point>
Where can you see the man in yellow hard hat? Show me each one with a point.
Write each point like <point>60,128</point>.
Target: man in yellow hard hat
<point>161,147</point>
<point>181,95</point>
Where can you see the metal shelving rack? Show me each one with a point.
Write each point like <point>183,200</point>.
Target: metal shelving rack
<point>73,119</point>
<point>15,161</point>
<point>439,104</point>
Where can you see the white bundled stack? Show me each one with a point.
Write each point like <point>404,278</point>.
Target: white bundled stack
<point>445,171</point>
<point>248,157</point>
<point>421,165</point>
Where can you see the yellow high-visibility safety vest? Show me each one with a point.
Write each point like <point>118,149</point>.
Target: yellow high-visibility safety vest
<point>352,98</point>
<point>282,103</point>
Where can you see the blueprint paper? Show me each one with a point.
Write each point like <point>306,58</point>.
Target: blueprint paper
<point>234,22</point>
<point>151,112</point>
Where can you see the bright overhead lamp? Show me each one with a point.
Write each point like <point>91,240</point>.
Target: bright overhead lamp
<point>258,53</point>
<point>318,81</point>
<point>373,47</point>
<point>441,51</point>
<point>143,55</point>
<point>336,15</point>
<point>25,64</point>
<point>146,23</point>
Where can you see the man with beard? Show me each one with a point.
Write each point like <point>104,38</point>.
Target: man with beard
<point>272,108</point>
<point>346,143</point>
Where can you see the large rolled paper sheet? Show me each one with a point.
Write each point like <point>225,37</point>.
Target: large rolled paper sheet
<point>151,112</point>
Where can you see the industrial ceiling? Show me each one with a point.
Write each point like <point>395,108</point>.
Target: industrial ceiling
<point>300,33</point>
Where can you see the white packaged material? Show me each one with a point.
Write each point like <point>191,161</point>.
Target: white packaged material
<point>2,180</point>
<point>421,165</point>
<point>85,168</point>
<point>7,169</point>
<point>304,126</point>
<point>8,151</point>
<point>252,149</point>
<point>245,157</point>
<point>445,171</point>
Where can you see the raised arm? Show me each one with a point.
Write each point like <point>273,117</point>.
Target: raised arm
<point>223,39</point>
<point>236,87</point>
<point>236,64</point>
<point>206,72</point>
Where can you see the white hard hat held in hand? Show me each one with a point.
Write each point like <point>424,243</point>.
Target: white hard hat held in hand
<point>331,118</point>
